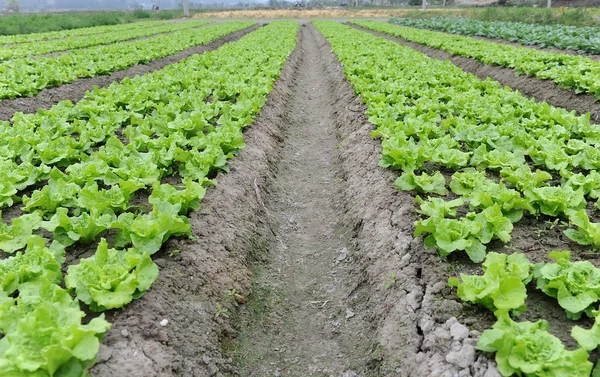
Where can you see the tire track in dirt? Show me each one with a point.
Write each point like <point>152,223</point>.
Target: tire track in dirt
<point>76,90</point>
<point>308,325</point>
<point>541,90</point>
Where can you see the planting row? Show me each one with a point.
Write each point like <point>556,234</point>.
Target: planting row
<point>41,48</point>
<point>585,39</point>
<point>511,157</point>
<point>36,37</point>
<point>578,73</point>
<point>28,76</point>
<point>179,124</point>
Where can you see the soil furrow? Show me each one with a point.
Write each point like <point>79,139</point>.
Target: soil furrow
<point>301,319</point>
<point>541,90</point>
<point>75,90</point>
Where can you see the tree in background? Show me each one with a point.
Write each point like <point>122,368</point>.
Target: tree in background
<point>12,5</point>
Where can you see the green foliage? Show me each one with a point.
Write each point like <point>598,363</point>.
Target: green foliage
<point>16,235</point>
<point>470,233</point>
<point>43,333</point>
<point>528,349</point>
<point>502,286</point>
<point>117,142</point>
<point>28,76</point>
<point>111,278</point>
<point>578,73</point>
<point>588,339</point>
<point>36,262</point>
<point>576,285</point>
<point>119,34</point>
<point>548,35</point>
<point>587,233</point>
<point>422,183</point>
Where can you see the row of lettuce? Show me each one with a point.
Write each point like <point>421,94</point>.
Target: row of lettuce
<point>36,37</point>
<point>28,76</point>
<point>584,39</point>
<point>578,73</point>
<point>46,47</point>
<point>502,156</point>
<point>99,169</point>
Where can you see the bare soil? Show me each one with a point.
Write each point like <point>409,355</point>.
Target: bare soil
<point>541,90</point>
<point>75,90</point>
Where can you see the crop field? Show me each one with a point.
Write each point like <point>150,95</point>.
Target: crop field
<point>300,198</point>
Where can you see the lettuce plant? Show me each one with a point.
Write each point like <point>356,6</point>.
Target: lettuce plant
<point>111,278</point>
<point>470,233</point>
<point>528,349</point>
<point>423,183</point>
<point>501,287</point>
<point>36,262</point>
<point>44,335</point>
<point>14,237</point>
<point>576,285</point>
<point>588,339</point>
<point>587,233</point>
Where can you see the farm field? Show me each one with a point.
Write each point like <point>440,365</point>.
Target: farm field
<point>296,198</point>
<point>581,39</point>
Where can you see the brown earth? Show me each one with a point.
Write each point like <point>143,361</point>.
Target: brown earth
<point>541,90</point>
<point>75,90</point>
<point>307,323</point>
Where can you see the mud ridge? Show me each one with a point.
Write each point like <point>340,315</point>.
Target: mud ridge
<point>195,275</point>
<point>541,90</point>
<point>76,90</point>
<point>417,332</point>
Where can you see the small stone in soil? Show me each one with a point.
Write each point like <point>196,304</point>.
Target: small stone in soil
<point>349,314</point>
<point>342,255</point>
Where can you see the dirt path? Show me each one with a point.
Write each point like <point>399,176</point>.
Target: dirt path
<point>307,327</point>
